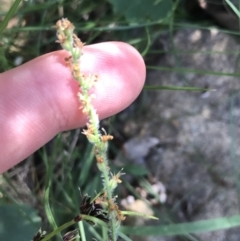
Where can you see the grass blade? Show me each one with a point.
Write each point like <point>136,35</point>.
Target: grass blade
<point>184,228</point>
<point>9,15</point>
<point>165,87</point>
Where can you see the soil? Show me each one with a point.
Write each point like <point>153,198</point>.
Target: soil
<point>196,156</point>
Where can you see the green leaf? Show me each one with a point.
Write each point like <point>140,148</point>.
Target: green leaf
<point>9,15</point>
<point>164,87</point>
<point>195,71</point>
<point>184,228</point>
<point>143,10</point>
<point>131,213</point>
<point>135,170</point>
<point>124,237</point>
<point>232,6</point>
<point>18,222</point>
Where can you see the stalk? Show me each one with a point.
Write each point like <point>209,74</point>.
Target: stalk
<point>71,43</point>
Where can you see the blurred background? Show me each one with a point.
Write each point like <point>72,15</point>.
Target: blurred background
<point>178,142</point>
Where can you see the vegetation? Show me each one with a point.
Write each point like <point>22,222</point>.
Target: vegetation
<point>55,173</point>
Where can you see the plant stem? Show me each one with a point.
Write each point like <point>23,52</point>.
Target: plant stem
<point>72,44</point>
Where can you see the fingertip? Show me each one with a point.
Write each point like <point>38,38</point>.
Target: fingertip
<point>39,99</point>
<point>121,71</point>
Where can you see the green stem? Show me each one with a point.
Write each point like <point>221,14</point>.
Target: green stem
<point>93,117</point>
<point>71,44</point>
<point>59,229</point>
<point>82,232</point>
<point>68,224</point>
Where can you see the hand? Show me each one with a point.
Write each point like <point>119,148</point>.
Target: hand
<point>39,99</point>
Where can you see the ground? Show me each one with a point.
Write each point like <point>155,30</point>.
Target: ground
<point>196,154</point>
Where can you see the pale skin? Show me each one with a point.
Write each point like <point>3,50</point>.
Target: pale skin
<point>39,99</point>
